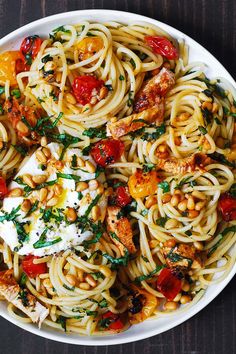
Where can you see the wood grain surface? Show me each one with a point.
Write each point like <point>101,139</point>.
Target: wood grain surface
<point>213,24</point>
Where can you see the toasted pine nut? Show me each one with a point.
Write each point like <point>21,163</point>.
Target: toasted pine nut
<point>215,107</point>
<point>93,184</point>
<point>180,194</point>
<point>70,98</point>
<point>200,205</point>
<point>185,286</point>
<point>153,243</point>
<point>40,156</point>
<point>43,141</point>
<point>59,165</point>
<point>26,205</point>
<point>182,206</point>
<point>90,167</point>
<point>170,306</point>
<point>162,148</point>
<point>58,189</point>
<point>84,286</point>
<point>170,243</point>
<point>58,76</point>
<point>52,202</point>
<point>47,283</point>
<point>80,162</point>
<point>198,245</point>
<point>80,274</point>
<point>171,224</point>
<point>71,214</point>
<point>177,141</point>
<point>50,194</point>
<point>39,179</point>
<point>93,100</point>
<point>90,280</point>
<point>103,92</point>
<point>207,105</point>
<point>81,186</point>
<point>191,203</point>
<point>28,180</point>
<point>50,65</point>
<point>166,198</point>
<point>174,200</point>
<point>177,298</point>
<point>22,128</point>
<point>193,214</point>
<point>100,189</point>
<point>151,200</point>
<point>105,271</point>
<point>96,212</point>
<point>16,192</point>
<point>204,97</point>
<point>185,299</point>
<point>71,279</point>
<point>46,152</point>
<point>43,194</point>
<point>198,195</point>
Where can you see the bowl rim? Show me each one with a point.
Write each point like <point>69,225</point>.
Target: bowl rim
<point>205,300</point>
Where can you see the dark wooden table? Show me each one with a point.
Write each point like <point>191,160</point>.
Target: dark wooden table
<point>212,23</point>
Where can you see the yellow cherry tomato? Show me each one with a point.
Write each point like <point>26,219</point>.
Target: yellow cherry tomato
<point>148,305</point>
<point>89,46</point>
<point>7,66</point>
<point>143,184</point>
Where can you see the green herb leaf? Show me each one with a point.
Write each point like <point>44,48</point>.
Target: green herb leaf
<point>132,62</point>
<point>161,221</point>
<point>144,212</point>
<point>217,121</point>
<point>121,77</point>
<point>148,276</point>
<point>42,240</point>
<point>95,133</point>
<point>165,186</point>
<point>32,209</point>
<point>148,167</point>
<point>23,279</point>
<point>222,159</point>
<point>16,93</point>
<point>156,134</point>
<point>94,202</point>
<point>68,176</point>
<point>62,321</point>
<point>2,90</point>
<point>202,130</point>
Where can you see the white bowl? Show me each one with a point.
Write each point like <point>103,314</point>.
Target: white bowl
<point>197,53</point>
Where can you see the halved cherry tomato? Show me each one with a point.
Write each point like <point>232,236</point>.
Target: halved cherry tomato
<point>107,151</point>
<point>122,196</point>
<point>162,46</point>
<point>8,66</point>
<point>89,46</point>
<point>21,66</point>
<point>168,284</point>
<point>227,206</point>
<point>84,87</point>
<point>3,188</point>
<point>114,321</point>
<point>31,269</point>
<point>30,47</point>
<point>143,184</point>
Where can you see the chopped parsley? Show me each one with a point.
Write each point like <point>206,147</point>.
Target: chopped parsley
<point>121,77</point>
<point>16,93</point>
<point>95,133</point>
<point>148,167</point>
<point>156,134</point>
<point>132,62</point>
<point>148,276</point>
<point>165,186</point>
<point>161,221</point>
<point>68,176</point>
<point>23,296</point>
<point>62,321</point>
<point>222,159</point>
<point>202,130</point>
<point>130,99</point>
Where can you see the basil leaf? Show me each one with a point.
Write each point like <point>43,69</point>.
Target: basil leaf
<point>62,321</point>
<point>95,133</point>
<point>148,276</point>
<point>202,130</point>
<point>94,202</point>
<point>165,186</point>
<point>68,176</point>
<point>161,221</point>
<point>148,167</point>
<point>222,159</point>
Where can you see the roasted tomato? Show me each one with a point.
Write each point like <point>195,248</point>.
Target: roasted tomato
<point>112,321</point>
<point>162,46</point>
<point>141,305</point>
<point>227,206</point>
<point>89,46</point>
<point>143,184</point>
<point>168,284</point>
<point>31,269</point>
<point>107,151</point>
<point>21,65</point>
<point>8,66</point>
<point>30,47</point>
<point>3,188</point>
<point>85,87</point>
<point>122,196</point>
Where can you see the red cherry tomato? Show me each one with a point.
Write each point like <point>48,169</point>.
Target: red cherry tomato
<point>168,284</point>
<point>3,188</point>
<point>21,66</point>
<point>84,87</point>
<point>31,269</point>
<point>122,196</point>
<point>114,320</point>
<point>107,151</point>
<point>227,206</point>
<point>162,46</point>
<point>30,47</point>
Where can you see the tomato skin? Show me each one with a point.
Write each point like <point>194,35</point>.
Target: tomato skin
<point>84,88</point>
<point>168,284</point>
<point>116,324</point>
<point>30,46</point>
<point>3,188</point>
<point>122,196</point>
<point>8,65</point>
<point>162,46</point>
<point>21,66</point>
<point>31,269</point>
<point>143,184</point>
<point>107,151</point>
<point>227,206</point>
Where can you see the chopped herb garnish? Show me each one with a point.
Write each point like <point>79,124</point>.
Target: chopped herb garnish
<point>148,167</point>
<point>144,212</point>
<point>42,240</point>
<point>32,209</point>
<point>156,134</point>
<point>202,130</point>
<point>121,77</point>
<point>23,150</point>
<point>130,99</point>
<point>62,321</point>
<point>23,296</point>
<point>217,121</point>
<point>145,259</point>
<point>46,58</point>
<point>16,93</point>
<point>68,176</point>
<point>23,279</point>
<point>161,221</point>
<point>118,261</point>
<point>165,186</point>
<point>148,276</point>
<point>95,133</point>
<point>132,62</point>
<point>2,90</point>
<point>94,202</point>
<point>222,159</point>
<point>183,182</point>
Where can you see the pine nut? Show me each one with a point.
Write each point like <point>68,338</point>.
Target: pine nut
<point>96,212</point>
<point>200,205</point>
<point>70,98</point>
<point>171,224</point>
<point>93,100</point>
<point>80,274</point>
<point>93,184</point>
<point>170,243</point>
<point>40,156</point>
<point>28,180</point>
<point>50,65</point>
<point>183,117</point>
<point>47,283</point>
<point>148,147</point>
<point>177,141</point>
<point>43,141</point>
<point>90,167</point>
<point>190,203</point>
<point>39,179</point>
<point>215,107</point>
<point>81,186</point>
<point>80,162</point>
<point>204,97</point>
<point>84,286</point>
<point>185,286</point>
<point>71,279</point>
<point>177,298</point>
<point>22,128</point>
<point>198,245</point>
<point>198,195</point>
<point>43,194</point>
<point>153,243</point>
<point>180,194</point>
<point>71,214</point>
<point>58,190</point>
<point>26,205</point>
<point>59,165</point>
<point>90,280</point>
<point>207,105</point>
<point>193,214</point>
<point>174,200</point>
<point>182,206</point>
<point>162,148</point>
<point>16,192</point>
<point>103,92</point>
<point>170,306</point>
<point>52,202</point>
<point>185,299</point>
<point>166,198</point>
<point>46,152</point>
<point>50,194</point>
<point>220,142</point>
<point>151,200</point>
<point>58,76</point>
<point>105,271</point>
<point>100,189</point>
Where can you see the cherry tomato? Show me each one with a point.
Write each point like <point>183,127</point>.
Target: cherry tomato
<point>162,46</point>
<point>84,87</point>
<point>107,151</point>
<point>21,65</point>
<point>8,66</point>
<point>168,284</point>
<point>89,46</point>
<point>122,196</point>
<point>3,188</point>
<point>114,320</point>
<point>143,184</point>
<point>31,269</point>
<point>30,47</point>
<point>227,206</point>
